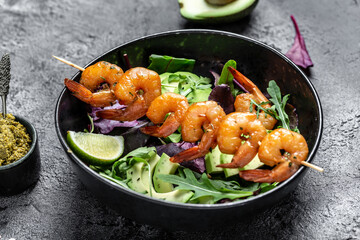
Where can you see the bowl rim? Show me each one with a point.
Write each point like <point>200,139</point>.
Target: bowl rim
<point>153,200</point>
<point>34,139</point>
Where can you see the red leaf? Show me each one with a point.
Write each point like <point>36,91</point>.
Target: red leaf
<point>298,52</point>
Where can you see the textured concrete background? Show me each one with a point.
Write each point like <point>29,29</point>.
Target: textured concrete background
<point>324,206</point>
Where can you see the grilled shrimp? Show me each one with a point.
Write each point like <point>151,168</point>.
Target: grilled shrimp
<point>99,73</point>
<point>201,121</point>
<point>92,79</point>
<point>242,101</point>
<point>270,153</point>
<point>240,134</point>
<point>136,89</point>
<point>101,98</point>
<point>166,103</point>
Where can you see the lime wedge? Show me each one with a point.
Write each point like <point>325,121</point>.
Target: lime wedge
<point>96,149</point>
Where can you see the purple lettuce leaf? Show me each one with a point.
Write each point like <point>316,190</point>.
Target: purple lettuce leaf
<point>216,77</point>
<point>222,95</point>
<point>298,52</point>
<point>104,125</point>
<point>171,149</point>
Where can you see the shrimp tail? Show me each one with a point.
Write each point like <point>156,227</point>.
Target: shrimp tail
<point>242,157</point>
<point>156,131</point>
<point>170,126</point>
<point>132,112</point>
<point>255,175</point>
<point>280,173</point>
<point>244,81</point>
<point>233,164</point>
<point>187,155</point>
<point>78,90</point>
<point>247,84</point>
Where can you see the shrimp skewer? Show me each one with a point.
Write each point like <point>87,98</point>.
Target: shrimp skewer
<point>92,79</point>
<point>242,101</point>
<point>240,134</point>
<point>242,104</point>
<point>286,164</point>
<point>166,103</point>
<point>201,121</point>
<point>99,99</point>
<point>136,88</point>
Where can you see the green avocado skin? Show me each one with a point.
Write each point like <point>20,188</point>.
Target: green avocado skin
<point>220,19</point>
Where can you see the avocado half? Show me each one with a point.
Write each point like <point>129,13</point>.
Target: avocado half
<point>202,11</point>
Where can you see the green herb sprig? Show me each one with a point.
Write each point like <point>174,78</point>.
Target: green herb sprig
<point>277,110</point>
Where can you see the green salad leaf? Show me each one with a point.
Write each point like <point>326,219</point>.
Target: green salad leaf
<point>175,138</point>
<point>227,78</point>
<point>163,63</point>
<point>205,187</point>
<point>264,187</point>
<point>279,104</point>
<point>277,110</point>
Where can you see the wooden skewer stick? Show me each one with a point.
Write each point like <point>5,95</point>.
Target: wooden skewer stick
<point>312,166</point>
<point>69,63</point>
<point>306,164</point>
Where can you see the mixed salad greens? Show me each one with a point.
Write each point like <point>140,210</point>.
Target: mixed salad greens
<point>146,168</point>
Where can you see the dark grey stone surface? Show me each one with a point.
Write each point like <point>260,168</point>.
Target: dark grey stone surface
<point>324,206</point>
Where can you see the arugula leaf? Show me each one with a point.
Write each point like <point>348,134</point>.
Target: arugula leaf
<point>271,111</point>
<point>279,104</point>
<point>277,110</point>
<point>161,64</point>
<point>216,189</point>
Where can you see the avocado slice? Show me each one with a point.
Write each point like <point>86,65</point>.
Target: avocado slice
<point>212,159</point>
<point>138,176</point>
<point>173,196</point>
<point>202,11</point>
<point>229,172</point>
<point>164,166</point>
<point>134,176</point>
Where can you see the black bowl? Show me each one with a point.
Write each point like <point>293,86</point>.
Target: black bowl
<point>258,62</point>
<point>19,175</point>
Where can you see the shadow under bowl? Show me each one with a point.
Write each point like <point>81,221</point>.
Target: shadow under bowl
<point>258,62</point>
<point>21,174</point>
